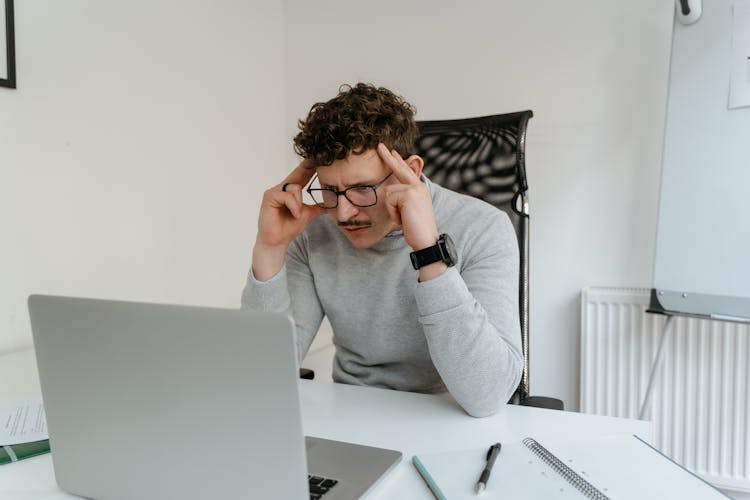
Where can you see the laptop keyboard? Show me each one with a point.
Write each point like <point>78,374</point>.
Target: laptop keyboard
<point>319,486</point>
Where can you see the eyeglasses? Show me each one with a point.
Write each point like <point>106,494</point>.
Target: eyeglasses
<point>359,196</point>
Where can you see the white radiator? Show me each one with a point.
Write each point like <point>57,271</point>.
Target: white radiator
<point>700,404</point>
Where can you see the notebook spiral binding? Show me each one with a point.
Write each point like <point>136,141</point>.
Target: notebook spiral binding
<point>588,489</point>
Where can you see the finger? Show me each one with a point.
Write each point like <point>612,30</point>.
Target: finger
<point>397,194</point>
<point>312,210</point>
<point>281,199</point>
<point>295,190</point>
<point>301,174</point>
<point>394,214</point>
<point>309,212</point>
<point>399,167</point>
<point>396,188</point>
<point>292,199</point>
<point>392,201</point>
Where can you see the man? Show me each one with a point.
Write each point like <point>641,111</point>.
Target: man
<point>452,323</point>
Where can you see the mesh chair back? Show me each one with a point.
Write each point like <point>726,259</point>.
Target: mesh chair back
<point>485,158</point>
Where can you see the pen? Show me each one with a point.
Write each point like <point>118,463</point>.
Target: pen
<point>434,488</point>
<point>492,454</point>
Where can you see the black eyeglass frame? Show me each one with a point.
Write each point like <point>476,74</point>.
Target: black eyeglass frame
<point>374,188</point>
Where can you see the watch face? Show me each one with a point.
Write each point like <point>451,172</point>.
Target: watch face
<point>444,250</point>
<point>450,248</point>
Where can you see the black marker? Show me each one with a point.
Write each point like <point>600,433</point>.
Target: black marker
<point>492,454</point>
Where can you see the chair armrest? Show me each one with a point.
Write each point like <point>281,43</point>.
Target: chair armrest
<point>543,402</point>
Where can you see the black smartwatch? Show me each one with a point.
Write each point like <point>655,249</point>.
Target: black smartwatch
<point>443,251</point>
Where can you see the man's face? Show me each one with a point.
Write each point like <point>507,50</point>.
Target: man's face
<point>363,226</point>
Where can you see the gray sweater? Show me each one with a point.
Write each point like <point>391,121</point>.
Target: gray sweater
<point>459,331</point>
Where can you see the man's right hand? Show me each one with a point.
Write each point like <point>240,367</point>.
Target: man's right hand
<point>283,216</point>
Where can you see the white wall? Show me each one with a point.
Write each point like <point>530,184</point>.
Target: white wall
<point>135,150</point>
<point>594,73</point>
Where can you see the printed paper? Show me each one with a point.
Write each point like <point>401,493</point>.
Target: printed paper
<point>22,423</point>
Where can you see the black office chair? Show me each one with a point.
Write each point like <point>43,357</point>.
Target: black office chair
<point>485,158</point>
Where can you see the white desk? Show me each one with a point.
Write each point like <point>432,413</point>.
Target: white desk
<point>411,423</point>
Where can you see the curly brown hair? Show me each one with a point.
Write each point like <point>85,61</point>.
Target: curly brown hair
<point>354,121</point>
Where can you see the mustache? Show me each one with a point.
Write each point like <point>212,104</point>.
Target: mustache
<point>353,223</point>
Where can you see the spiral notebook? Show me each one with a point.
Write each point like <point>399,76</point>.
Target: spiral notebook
<point>613,467</point>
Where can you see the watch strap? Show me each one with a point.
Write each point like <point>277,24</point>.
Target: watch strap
<point>426,256</point>
<point>442,251</point>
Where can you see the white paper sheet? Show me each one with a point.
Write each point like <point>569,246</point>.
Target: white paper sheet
<point>739,88</point>
<point>22,423</point>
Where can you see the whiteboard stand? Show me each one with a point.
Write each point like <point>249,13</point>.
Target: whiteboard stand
<point>655,367</point>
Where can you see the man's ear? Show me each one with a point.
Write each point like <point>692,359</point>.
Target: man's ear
<point>415,163</point>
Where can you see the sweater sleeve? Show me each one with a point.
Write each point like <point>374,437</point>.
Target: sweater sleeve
<point>291,291</point>
<point>471,322</point>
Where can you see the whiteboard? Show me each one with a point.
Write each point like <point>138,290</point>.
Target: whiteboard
<point>702,256</point>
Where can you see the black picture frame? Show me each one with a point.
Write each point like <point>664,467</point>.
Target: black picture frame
<point>8,78</point>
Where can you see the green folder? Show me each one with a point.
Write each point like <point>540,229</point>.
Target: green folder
<point>15,452</point>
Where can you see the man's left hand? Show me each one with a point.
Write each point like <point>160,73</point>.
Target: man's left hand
<point>409,202</point>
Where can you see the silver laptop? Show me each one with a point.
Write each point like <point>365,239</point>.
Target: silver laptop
<point>148,401</point>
